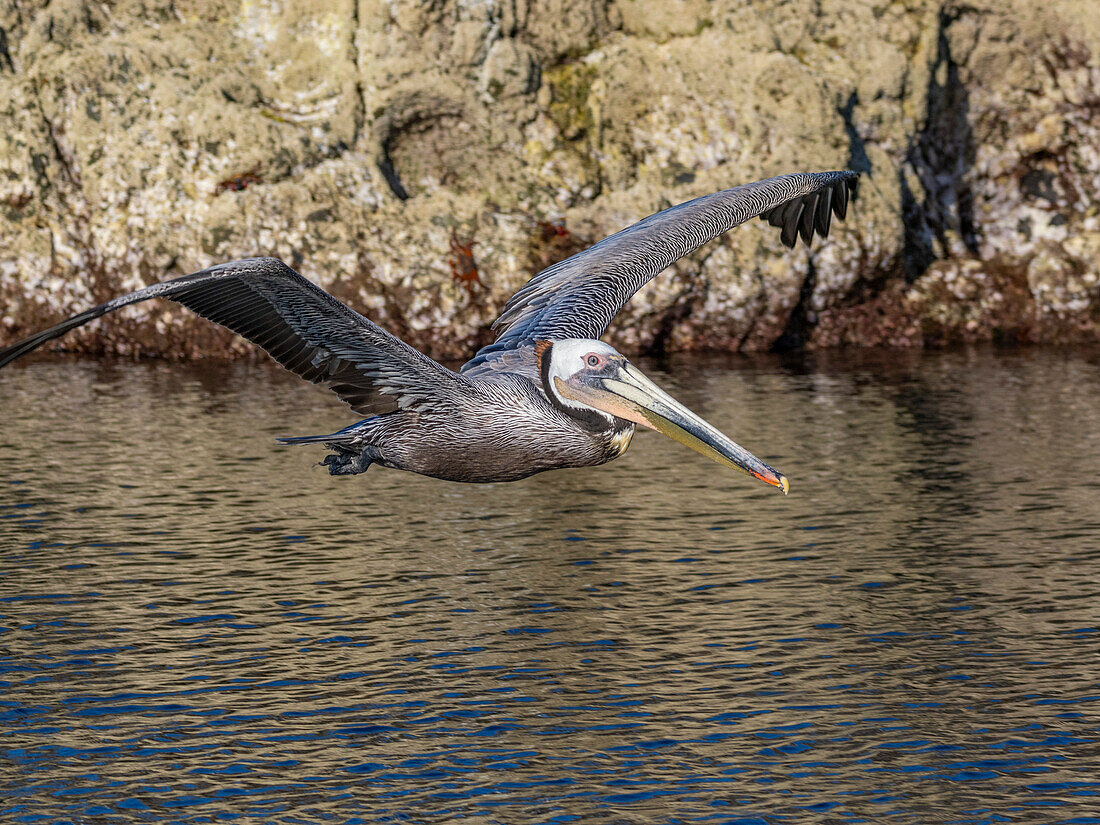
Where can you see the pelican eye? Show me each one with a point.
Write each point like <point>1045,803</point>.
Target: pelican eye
<point>593,360</point>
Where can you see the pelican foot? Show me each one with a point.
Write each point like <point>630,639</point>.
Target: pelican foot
<point>347,464</point>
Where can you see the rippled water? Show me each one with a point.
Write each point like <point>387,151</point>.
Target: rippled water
<point>200,625</point>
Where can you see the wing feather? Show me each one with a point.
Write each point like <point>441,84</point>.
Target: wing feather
<point>578,297</point>
<point>299,324</point>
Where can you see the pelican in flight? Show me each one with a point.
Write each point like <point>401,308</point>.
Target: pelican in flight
<point>546,394</point>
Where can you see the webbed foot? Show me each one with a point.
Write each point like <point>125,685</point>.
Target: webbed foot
<point>347,464</point>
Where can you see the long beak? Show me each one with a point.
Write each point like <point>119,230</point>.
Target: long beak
<point>630,395</point>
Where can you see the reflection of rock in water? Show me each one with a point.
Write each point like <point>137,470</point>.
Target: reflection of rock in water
<point>349,138</point>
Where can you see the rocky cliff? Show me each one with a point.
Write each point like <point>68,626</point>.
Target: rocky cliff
<point>422,159</point>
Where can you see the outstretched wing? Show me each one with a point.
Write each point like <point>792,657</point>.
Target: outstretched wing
<point>303,328</point>
<point>578,297</point>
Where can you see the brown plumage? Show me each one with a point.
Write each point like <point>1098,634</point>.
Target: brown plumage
<point>546,394</point>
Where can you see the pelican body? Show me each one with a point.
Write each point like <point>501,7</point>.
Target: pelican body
<point>547,394</point>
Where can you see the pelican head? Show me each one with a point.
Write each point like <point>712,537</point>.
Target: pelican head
<point>588,376</point>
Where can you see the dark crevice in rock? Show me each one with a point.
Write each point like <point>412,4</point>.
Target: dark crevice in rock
<point>64,162</point>
<point>917,252</point>
<point>359,113</point>
<point>415,127</point>
<point>857,147</point>
<point>40,164</point>
<point>1038,184</point>
<point>5,53</point>
<point>386,167</point>
<point>942,154</point>
<point>90,23</point>
<point>754,317</point>
<point>800,323</point>
<point>534,79</point>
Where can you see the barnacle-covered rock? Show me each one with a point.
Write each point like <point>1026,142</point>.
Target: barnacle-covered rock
<point>360,140</point>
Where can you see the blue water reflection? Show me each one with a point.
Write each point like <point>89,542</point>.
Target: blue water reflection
<point>198,626</point>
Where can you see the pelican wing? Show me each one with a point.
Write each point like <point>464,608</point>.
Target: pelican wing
<point>578,297</point>
<point>299,324</point>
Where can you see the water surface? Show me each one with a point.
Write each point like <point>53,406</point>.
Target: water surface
<point>199,625</point>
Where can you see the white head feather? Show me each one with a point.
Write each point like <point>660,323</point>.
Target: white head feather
<point>569,357</point>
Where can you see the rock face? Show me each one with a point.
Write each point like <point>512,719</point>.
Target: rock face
<point>422,158</point>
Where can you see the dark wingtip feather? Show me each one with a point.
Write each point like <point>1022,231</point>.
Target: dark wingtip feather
<point>840,202</point>
<point>812,212</point>
<point>773,216</point>
<point>806,223</point>
<point>791,215</point>
<point>21,348</point>
<point>9,354</point>
<point>823,214</point>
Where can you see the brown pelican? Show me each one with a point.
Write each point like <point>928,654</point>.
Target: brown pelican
<point>547,394</point>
